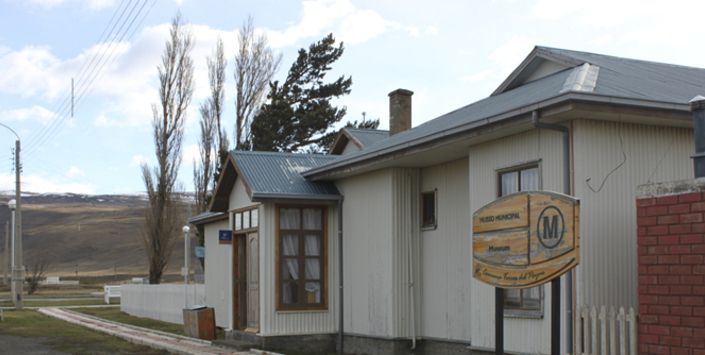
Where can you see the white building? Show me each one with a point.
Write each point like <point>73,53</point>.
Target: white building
<point>405,204</point>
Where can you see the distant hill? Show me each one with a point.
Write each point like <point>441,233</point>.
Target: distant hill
<point>94,234</point>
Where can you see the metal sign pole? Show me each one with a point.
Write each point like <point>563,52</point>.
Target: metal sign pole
<point>499,321</point>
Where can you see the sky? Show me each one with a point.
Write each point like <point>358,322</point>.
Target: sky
<point>449,53</point>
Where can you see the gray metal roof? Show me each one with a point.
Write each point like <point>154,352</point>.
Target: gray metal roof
<point>617,78</point>
<point>271,175</point>
<point>206,216</point>
<point>368,137</point>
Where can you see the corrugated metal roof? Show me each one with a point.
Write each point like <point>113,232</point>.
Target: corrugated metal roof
<point>368,137</point>
<point>205,216</point>
<point>278,175</point>
<point>618,77</point>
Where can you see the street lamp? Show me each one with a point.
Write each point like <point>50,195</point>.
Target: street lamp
<point>186,266</point>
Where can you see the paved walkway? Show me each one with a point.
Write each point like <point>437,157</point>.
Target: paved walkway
<point>172,343</point>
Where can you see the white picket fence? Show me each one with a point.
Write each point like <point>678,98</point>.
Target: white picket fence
<point>161,302</point>
<point>606,332</point>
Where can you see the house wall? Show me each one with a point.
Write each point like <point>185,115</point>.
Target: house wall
<point>608,230</point>
<point>218,274</point>
<point>522,335</point>
<point>446,258</point>
<point>350,147</point>
<point>367,245</point>
<point>273,322</point>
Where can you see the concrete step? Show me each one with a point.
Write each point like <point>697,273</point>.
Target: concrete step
<point>233,344</point>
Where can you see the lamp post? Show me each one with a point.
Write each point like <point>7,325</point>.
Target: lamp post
<point>12,204</point>
<point>186,266</point>
<point>17,269</point>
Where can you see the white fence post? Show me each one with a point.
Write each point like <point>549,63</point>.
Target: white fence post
<point>606,327</point>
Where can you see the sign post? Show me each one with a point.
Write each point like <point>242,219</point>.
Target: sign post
<point>524,240</point>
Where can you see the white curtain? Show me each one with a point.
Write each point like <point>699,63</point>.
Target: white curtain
<point>530,179</point>
<point>289,218</point>
<point>312,219</point>
<point>510,183</point>
<point>290,245</point>
<point>313,265</point>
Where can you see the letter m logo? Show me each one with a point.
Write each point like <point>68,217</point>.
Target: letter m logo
<point>550,229</point>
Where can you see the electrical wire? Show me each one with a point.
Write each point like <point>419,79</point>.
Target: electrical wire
<point>621,145</point>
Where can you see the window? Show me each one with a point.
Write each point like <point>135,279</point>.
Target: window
<point>302,270</point>
<point>246,219</point>
<point>428,210</point>
<point>525,302</point>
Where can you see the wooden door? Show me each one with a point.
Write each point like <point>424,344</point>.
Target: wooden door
<point>240,281</point>
<point>253,282</point>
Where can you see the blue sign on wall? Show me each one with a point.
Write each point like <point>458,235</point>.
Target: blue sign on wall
<point>201,252</point>
<point>225,236</point>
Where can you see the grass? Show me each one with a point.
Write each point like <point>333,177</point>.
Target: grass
<point>62,303</point>
<point>114,314</point>
<point>67,337</point>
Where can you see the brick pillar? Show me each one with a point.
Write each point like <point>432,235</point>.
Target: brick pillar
<point>671,274</point>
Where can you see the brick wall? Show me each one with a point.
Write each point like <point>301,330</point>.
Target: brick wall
<point>671,274</point>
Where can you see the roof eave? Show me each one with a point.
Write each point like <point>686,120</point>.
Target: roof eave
<point>265,197</point>
<point>196,220</point>
<point>327,170</point>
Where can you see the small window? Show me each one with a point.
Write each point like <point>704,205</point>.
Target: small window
<point>238,221</point>
<point>528,301</point>
<point>428,210</point>
<point>247,219</point>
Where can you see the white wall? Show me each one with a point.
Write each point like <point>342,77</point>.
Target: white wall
<point>522,335</point>
<point>367,246</point>
<point>218,274</point>
<point>607,274</point>
<point>446,255</point>
<point>160,302</point>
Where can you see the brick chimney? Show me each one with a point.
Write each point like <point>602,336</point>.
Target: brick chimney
<point>399,111</point>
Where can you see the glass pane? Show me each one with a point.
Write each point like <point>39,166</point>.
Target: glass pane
<point>313,292</point>
<point>313,245</point>
<point>255,218</point>
<point>290,244</point>
<point>246,220</point>
<point>289,218</point>
<point>313,269</point>
<point>429,208</point>
<point>290,292</point>
<point>510,183</point>
<point>530,179</point>
<point>531,297</point>
<point>313,219</point>
<point>238,221</point>
<point>511,298</point>
<point>290,269</point>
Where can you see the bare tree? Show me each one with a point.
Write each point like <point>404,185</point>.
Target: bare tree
<point>211,133</point>
<point>39,270</point>
<point>163,215</point>
<point>255,66</point>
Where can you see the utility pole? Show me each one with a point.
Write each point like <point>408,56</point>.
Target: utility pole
<point>7,254</point>
<point>18,274</point>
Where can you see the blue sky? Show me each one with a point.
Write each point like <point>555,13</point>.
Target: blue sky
<point>450,53</point>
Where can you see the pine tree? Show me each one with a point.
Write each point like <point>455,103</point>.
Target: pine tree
<point>299,114</point>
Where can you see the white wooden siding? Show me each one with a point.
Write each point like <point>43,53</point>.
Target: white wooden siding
<point>239,197</point>
<point>406,232</point>
<point>273,322</point>
<point>522,335</point>
<point>446,256</point>
<point>218,274</point>
<point>607,274</point>
<point>367,244</point>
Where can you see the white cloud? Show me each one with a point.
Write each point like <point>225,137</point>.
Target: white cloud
<point>40,184</point>
<point>91,4</point>
<point>74,171</point>
<point>138,160</point>
<point>191,153</point>
<point>509,55</point>
<point>36,113</point>
<point>432,30</point>
<point>476,77</point>
<point>601,40</point>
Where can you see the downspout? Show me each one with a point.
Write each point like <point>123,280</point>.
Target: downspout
<point>340,275</point>
<point>566,190</point>
<point>411,279</point>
